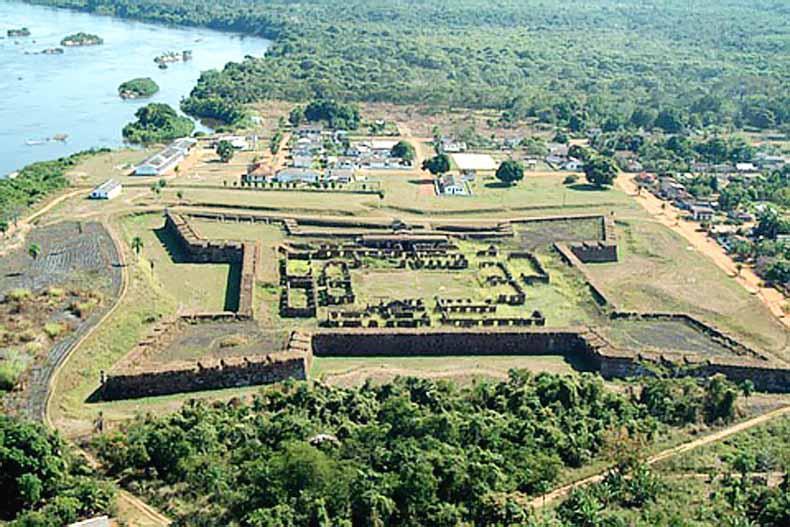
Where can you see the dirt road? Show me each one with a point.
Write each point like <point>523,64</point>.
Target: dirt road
<point>714,437</point>
<point>19,230</point>
<point>673,218</point>
<point>133,511</point>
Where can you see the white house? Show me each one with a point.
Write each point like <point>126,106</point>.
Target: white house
<point>164,160</point>
<point>108,190</point>
<point>574,165</point>
<point>303,161</point>
<point>451,146</point>
<point>746,168</point>
<point>449,185</point>
<point>701,213</point>
<point>297,175</point>
<point>342,176</point>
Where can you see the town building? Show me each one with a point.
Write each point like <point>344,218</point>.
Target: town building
<point>746,168</point>
<point>449,145</point>
<point>164,160</point>
<point>297,175</point>
<point>450,185</point>
<point>108,190</point>
<point>701,213</point>
<point>339,175</point>
<point>573,165</point>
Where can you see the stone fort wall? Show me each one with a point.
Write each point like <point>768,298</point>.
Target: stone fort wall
<point>198,249</point>
<point>203,375</point>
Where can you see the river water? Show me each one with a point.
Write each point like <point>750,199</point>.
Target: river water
<point>76,93</point>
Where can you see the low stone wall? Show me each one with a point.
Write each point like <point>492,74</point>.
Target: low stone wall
<point>198,249</point>
<point>598,294</point>
<point>402,343</point>
<point>206,375</point>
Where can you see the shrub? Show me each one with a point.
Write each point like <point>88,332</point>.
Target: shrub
<point>53,330</point>
<point>570,179</point>
<point>17,295</point>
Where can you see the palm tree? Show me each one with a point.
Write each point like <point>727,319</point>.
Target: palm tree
<point>739,268</point>
<point>34,250</point>
<point>137,245</point>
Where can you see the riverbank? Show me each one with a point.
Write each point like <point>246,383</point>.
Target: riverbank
<point>91,113</point>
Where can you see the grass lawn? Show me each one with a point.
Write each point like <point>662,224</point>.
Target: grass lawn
<point>405,191</point>
<point>116,165</point>
<point>194,287</point>
<point>352,371</point>
<point>658,271</point>
<point>327,202</point>
<point>217,230</point>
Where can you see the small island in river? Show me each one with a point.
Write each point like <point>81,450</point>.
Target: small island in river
<point>21,32</point>
<point>138,88</point>
<point>81,39</point>
<point>173,56</point>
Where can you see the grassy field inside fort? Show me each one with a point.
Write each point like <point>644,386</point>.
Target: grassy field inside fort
<point>194,287</point>
<point>348,371</point>
<point>659,271</point>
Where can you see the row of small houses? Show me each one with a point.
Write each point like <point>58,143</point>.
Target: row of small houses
<point>310,148</point>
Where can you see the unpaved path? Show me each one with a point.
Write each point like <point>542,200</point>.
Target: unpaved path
<point>19,230</point>
<point>673,218</point>
<point>714,437</point>
<point>137,513</point>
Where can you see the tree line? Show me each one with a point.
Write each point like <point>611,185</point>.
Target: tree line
<point>409,452</point>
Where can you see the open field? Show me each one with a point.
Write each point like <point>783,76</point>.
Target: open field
<point>195,287</point>
<point>48,302</point>
<point>660,335</point>
<point>544,233</point>
<point>220,340</point>
<point>545,192</point>
<point>658,271</point>
<point>352,371</point>
<point>115,165</point>
<point>145,302</point>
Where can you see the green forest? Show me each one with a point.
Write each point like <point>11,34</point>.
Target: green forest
<point>407,453</point>
<point>576,62</point>
<point>157,123</point>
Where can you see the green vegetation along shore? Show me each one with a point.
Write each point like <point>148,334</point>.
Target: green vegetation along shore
<point>554,61</point>
<point>34,183</point>
<point>157,123</point>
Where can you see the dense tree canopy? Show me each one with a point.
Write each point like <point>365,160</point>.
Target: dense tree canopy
<point>668,64</point>
<point>34,183</point>
<point>439,164</point>
<point>600,171</point>
<point>411,452</point>
<point>404,150</point>
<point>157,122</point>
<point>510,171</point>
<point>41,484</point>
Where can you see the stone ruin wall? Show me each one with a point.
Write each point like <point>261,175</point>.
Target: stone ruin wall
<point>198,249</point>
<point>578,344</point>
<point>203,375</point>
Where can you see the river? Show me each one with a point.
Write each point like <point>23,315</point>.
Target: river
<point>76,93</point>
